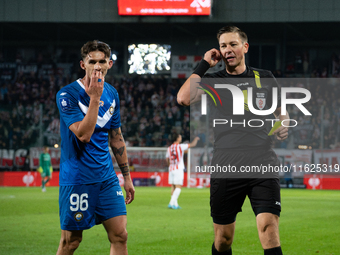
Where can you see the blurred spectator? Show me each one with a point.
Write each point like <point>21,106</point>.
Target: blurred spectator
<point>324,73</point>
<point>335,65</point>
<point>305,62</point>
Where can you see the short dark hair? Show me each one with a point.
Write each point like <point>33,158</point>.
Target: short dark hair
<point>95,45</point>
<point>174,137</point>
<point>232,29</point>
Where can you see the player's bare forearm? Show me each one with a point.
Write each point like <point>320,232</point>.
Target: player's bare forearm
<point>194,142</point>
<point>118,147</point>
<point>282,132</point>
<point>85,128</point>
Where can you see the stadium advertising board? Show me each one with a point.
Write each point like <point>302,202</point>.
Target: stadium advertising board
<point>10,159</point>
<point>164,7</point>
<point>33,179</point>
<point>322,181</point>
<point>7,71</point>
<point>184,65</point>
<point>328,157</point>
<point>296,158</point>
<point>147,160</point>
<point>26,179</point>
<point>15,159</point>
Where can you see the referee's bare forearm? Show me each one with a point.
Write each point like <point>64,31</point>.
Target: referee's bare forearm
<point>189,94</point>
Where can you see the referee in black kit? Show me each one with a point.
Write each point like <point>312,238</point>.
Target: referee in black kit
<point>238,144</point>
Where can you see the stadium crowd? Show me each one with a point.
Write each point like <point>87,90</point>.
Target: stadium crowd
<point>310,129</point>
<point>149,109</point>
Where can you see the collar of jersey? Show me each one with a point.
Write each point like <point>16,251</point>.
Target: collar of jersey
<point>80,83</point>
<point>237,75</point>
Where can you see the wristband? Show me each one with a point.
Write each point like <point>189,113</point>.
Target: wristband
<point>202,68</point>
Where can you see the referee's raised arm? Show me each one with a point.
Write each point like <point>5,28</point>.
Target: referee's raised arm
<point>190,93</point>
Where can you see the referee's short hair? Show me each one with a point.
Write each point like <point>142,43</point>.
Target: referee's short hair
<point>232,29</point>
<point>95,45</point>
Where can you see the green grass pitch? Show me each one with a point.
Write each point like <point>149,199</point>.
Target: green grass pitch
<point>309,224</point>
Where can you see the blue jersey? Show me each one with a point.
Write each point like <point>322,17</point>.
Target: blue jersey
<point>84,163</point>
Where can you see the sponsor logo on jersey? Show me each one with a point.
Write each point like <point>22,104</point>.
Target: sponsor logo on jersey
<point>64,103</point>
<point>78,216</point>
<point>101,103</point>
<point>242,84</point>
<point>111,110</point>
<point>278,203</point>
<point>119,193</point>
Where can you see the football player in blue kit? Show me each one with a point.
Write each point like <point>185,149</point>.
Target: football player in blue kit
<point>89,192</point>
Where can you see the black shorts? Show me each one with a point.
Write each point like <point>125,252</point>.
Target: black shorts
<point>227,195</point>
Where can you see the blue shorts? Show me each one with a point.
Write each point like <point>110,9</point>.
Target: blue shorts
<point>83,206</point>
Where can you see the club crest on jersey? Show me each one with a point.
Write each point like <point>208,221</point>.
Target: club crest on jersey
<point>101,103</point>
<point>260,100</point>
<point>111,110</point>
<point>78,216</point>
<point>64,104</point>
